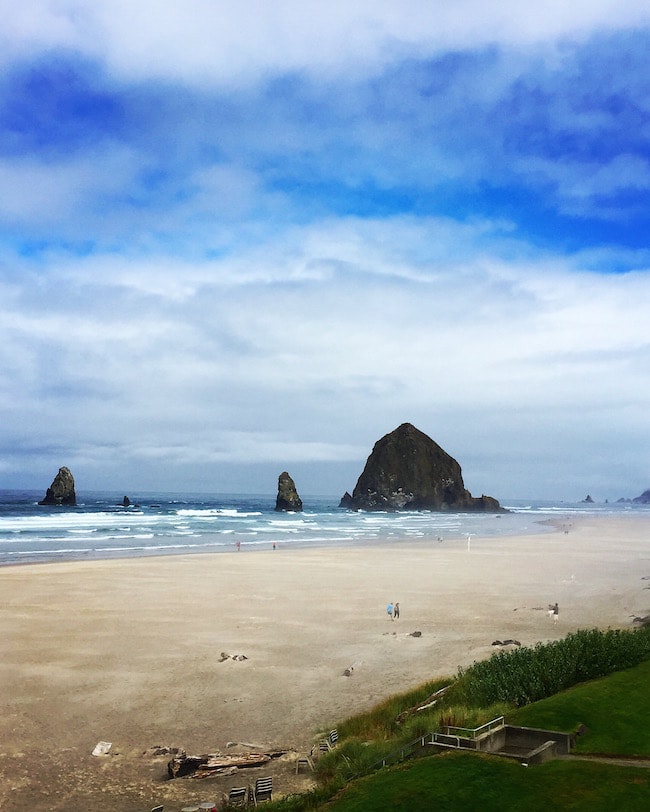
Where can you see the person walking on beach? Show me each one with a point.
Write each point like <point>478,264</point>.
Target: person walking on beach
<point>556,612</point>
<point>389,610</point>
<point>396,611</point>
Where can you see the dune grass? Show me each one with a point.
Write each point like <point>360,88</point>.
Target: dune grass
<point>383,721</point>
<point>529,674</point>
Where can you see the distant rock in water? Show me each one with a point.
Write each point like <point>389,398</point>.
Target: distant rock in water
<point>409,471</point>
<point>588,500</point>
<point>644,499</point>
<point>346,500</point>
<point>126,502</point>
<point>61,491</point>
<point>288,498</point>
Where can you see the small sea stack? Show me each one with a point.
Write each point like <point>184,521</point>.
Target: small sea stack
<point>287,499</point>
<point>61,491</point>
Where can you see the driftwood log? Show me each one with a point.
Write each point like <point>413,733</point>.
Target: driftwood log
<point>429,702</point>
<point>204,766</point>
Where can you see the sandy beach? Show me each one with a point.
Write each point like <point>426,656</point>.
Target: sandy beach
<point>132,651</point>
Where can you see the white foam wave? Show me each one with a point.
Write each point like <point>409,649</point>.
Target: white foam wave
<point>210,512</point>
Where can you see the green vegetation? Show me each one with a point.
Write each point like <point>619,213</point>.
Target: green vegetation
<point>382,722</point>
<point>459,781</point>
<point>614,710</point>
<point>530,674</point>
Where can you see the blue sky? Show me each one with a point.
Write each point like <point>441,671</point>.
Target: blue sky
<point>239,238</point>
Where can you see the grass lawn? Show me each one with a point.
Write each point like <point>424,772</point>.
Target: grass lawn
<point>459,781</point>
<point>615,709</point>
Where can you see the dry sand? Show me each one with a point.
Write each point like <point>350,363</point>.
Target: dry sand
<point>130,651</point>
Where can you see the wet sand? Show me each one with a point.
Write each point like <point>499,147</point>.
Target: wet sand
<point>132,651</point>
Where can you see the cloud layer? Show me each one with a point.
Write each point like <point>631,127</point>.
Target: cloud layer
<point>237,240</point>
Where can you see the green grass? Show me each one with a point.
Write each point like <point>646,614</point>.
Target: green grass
<point>615,709</point>
<point>459,781</point>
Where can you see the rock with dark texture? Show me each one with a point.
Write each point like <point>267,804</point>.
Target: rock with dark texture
<point>288,498</point>
<point>346,500</point>
<point>644,499</point>
<point>61,491</point>
<point>588,500</point>
<point>126,502</point>
<point>409,471</point>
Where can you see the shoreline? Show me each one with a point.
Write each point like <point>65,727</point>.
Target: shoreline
<point>188,525</point>
<point>130,650</point>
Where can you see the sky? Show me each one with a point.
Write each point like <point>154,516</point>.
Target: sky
<point>238,238</point>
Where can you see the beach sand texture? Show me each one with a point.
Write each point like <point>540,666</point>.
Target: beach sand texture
<point>130,651</point>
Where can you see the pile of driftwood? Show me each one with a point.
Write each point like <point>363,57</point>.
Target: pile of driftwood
<point>212,764</point>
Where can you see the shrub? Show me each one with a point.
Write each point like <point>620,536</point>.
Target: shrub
<point>528,674</point>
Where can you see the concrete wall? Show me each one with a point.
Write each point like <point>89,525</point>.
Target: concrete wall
<point>531,737</point>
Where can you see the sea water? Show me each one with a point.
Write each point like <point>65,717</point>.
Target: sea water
<point>166,524</point>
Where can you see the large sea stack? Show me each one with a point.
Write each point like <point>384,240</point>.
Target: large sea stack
<point>409,471</point>
<point>61,491</point>
<point>288,498</point>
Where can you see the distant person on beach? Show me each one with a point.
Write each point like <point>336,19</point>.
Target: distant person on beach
<point>389,610</point>
<point>556,612</point>
<point>550,610</point>
<point>396,611</point>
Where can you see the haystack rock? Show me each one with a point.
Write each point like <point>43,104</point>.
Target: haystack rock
<point>288,498</point>
<point>409,471</point>
<point>644,499</point>
<point>61,491</point>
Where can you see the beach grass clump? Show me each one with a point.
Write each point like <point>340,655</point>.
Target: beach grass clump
<point>350,758</point>
<point>314,798</point>
<point>529,674</point>
<point>467,717</point>
<point>418,724</point>
<point>383,721</point>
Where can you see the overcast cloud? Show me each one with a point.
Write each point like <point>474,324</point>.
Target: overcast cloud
<point>239,238</point>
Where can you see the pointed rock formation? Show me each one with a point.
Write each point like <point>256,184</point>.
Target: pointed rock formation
<point>61,491</point>
<point>409,471</point>
<point>288,498</point>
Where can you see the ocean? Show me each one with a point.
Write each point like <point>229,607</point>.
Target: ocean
<point>99,527</point>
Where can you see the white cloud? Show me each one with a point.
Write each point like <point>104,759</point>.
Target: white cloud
<point>314,368</point>
<point>586,186</point>
<point>230,43</point>
<point>44,192</point>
